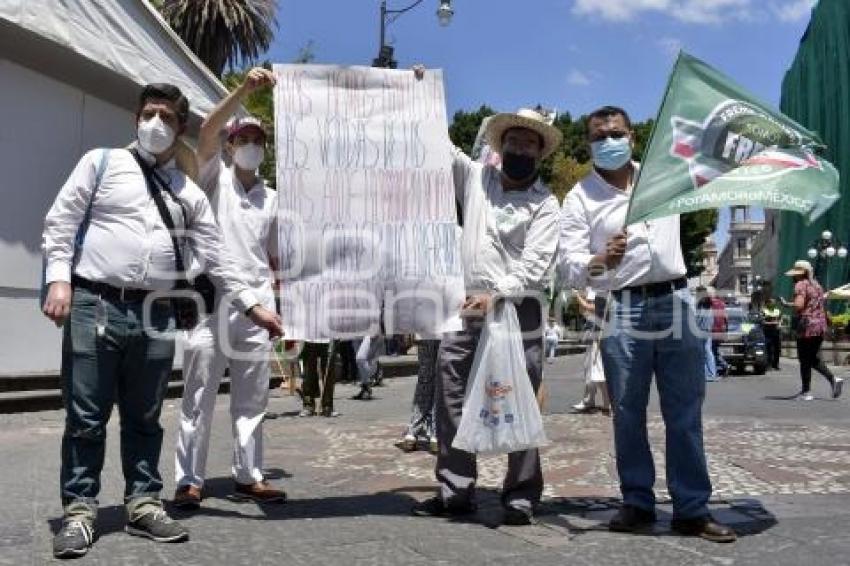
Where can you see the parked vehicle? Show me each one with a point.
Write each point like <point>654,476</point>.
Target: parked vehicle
<point>743,344</point>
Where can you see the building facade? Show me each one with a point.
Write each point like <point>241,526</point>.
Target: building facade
<point>735,275</point>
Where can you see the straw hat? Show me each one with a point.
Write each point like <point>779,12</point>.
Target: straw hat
<point>801,267</point>
<point>523,118</point>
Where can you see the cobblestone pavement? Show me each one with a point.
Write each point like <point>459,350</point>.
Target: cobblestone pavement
<point>781,472</point>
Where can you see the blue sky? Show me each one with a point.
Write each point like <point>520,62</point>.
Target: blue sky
<point>573,55</point>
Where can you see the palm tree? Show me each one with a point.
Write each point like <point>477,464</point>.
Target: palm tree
<point>223,32</point>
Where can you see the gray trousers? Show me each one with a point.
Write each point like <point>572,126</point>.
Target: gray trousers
<point>457,470</point>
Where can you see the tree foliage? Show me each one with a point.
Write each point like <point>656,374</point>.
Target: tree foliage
<point>223,32</point>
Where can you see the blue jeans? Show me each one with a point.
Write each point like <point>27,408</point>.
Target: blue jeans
<point>124,365</point>
<point>710,365</point>
<point>676,356</point>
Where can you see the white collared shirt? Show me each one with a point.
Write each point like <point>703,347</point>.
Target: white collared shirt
<point>524,223</point>
<point>592,213</point>
<point>248,220</point>
<point>127,243</point>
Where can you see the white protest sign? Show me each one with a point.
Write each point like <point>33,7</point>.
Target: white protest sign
<point>367,219</point>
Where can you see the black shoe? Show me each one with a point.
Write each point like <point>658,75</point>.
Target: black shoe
<point>365,393</point>
<point>837,387</point>
<point>630,519</point>
<point>704,527</point>
<point>435,507</point>
<point>159,527</point>
<point>516,516</point>
<point>73,540</point>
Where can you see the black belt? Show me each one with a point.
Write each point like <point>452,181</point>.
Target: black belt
<point>655,289</point>
<point>108,292</point>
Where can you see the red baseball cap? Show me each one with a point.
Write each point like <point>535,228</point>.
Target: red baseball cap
<point>241,124</point>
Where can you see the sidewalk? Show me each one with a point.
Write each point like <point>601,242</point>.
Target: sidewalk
<point>781,471</point>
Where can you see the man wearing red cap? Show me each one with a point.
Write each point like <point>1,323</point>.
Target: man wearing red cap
<point>246,210</point>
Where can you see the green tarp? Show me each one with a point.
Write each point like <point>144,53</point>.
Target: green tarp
<point>816,93</point>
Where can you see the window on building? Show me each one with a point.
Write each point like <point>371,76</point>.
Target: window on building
<point>742,283</point>
<point>742,247</point>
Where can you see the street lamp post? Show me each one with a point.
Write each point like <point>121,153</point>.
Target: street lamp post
<point>825,249</point>
<point>385,52</point>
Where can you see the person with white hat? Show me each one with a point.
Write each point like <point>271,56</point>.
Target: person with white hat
<point>246,209</point>
<point>650,330</point>
<point>510,235</point>
<point>809,307</point>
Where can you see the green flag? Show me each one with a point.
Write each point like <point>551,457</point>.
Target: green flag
<point>715,145</point>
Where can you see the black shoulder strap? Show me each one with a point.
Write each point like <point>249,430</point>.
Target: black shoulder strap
<point>156,194</point>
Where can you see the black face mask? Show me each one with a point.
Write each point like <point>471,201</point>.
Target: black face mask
<point>518,167</point>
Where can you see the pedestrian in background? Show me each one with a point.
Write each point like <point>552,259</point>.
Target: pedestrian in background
<point>809,306</point>
<point>771,316</point>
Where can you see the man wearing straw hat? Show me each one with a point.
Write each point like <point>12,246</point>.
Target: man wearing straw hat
<point>246,210</point>
<point>508,257</point>
<point>649,329</point>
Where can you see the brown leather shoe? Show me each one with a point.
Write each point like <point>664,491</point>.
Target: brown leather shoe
<point>187,497</point>
<point>261,492</point>
<point>704,527</point>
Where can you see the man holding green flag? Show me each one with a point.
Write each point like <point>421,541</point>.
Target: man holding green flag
<point>649,329</point>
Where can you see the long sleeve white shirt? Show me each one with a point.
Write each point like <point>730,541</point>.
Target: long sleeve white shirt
<point>524,223</point>
<point>127,243</point>
<point>248,221</point>
<point>592,213</point>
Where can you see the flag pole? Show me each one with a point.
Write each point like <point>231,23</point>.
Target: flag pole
<point>654,130</point>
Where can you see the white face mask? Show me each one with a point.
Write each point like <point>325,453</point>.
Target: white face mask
<point>249,156</point>
<point>155,136</point>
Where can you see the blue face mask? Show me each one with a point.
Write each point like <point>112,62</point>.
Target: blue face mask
<point>611,154</point>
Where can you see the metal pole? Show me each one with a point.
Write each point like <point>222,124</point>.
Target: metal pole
<point>383,27</point>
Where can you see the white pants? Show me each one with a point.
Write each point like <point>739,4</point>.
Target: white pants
<point>205,360</point>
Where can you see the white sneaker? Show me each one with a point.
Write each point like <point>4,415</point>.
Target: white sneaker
<point>582,408</point>
<point>408,443</point>
<point>807,397</point>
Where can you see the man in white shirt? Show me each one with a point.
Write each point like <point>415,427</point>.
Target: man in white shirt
<point>650,329</point>
<point>246,210</point>
<point>111,264</point>
<point>510,233</point>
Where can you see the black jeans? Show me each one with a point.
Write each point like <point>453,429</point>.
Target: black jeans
<point>773,345</point>
<point>123,364</point>
<point>348,361</point>
<point>314,353</point>
<point>808,352</point>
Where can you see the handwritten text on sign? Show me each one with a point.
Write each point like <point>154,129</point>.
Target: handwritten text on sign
<point>367,213</point>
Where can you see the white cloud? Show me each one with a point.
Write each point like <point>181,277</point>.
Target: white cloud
<point>689,11</point>
<point>670,45</point>
<point>577,78</point>
<point>793,10</point>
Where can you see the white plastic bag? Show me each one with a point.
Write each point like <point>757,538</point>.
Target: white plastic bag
<point>500,413</point>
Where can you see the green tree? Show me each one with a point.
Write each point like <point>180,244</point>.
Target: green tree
<point>566,172</point>
<point>223,32</point>
<point>465,125</point>
<point>695,226</point>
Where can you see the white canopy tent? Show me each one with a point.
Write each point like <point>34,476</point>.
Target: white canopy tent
<point>70,75</point>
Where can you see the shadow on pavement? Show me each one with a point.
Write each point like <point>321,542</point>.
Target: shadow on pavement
<point>588,514</point>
